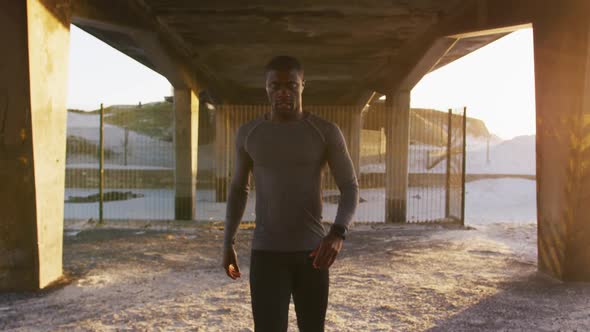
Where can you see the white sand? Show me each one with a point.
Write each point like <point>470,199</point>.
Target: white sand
<point>487,201</point>
<point>515,156</point>
<point>387,278</point>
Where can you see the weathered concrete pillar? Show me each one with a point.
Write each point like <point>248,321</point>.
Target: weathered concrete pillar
<point>562,75</point>
<point>33,85</point>
<point>186,142</point>
<point>356,126</point>
<point>397,124</point>
<point>222,148</point>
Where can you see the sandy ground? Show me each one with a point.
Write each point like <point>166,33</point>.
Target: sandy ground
<point>387,278</point>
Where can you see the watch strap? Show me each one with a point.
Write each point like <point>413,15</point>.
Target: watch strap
<point>339,230</point>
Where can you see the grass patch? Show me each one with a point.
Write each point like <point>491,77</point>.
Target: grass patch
<point>107,197</point>
<point>152,119</point>
<point>82,146</point>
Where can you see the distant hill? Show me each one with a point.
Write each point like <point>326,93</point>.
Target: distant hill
<point>156,120</point>
<point>152,119</point>
<point>429,126</point>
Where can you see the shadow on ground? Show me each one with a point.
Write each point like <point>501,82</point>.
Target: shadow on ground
<point>387,278</point>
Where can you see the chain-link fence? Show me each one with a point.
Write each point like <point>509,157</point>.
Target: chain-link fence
<point>436,165</point>
<point>138,159</point>
<point>139,162</point>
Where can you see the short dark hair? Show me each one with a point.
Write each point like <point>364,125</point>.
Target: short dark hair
<point>284,63</point>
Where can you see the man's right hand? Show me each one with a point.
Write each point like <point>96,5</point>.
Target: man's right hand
<point>230,263</point>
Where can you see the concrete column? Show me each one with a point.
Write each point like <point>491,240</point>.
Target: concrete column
<point>356,126</point>
<point>186,142</point>
<point>33,85</point>
<point>397,124</point>
<point>562,75</point>
<point>222,148</point>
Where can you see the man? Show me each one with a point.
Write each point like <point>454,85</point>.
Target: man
<point>286,150</point>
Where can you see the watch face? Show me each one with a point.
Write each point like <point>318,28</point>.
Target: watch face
<point>339,230</point>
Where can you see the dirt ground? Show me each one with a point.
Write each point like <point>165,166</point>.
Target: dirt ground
<point>387,278</point>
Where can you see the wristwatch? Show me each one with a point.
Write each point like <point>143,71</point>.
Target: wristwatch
<point>339,230</point>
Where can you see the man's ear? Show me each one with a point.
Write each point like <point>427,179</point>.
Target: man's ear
<point>302,84</point>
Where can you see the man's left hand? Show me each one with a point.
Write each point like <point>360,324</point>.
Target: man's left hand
<point>325,254</point>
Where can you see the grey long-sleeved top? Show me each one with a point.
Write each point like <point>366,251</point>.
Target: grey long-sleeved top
<point>286,160</point>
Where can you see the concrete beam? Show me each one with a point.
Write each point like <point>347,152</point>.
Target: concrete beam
<point>165,55</point>
<point>472,18</point>
<point>33,86</point>
<point>166,63</point>
<point>482,17</point>
<point>562,79</point>
<point>493,31</point>
<point>412,75</point>
<point>105,14</point>
<point>186,142</point>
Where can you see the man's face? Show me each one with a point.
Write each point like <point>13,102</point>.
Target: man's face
<point>284,89</point>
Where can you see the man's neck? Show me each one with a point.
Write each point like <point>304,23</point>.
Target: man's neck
<point>280,117</point>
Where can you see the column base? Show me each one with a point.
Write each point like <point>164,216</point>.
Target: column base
<point>221,185</point>
<point>577,261</point>
<point>13,280</point>
<point>184,208</point>
<point>395,211</point>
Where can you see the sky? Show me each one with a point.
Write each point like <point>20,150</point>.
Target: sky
<point>495,83</point>
<point>99,73</point>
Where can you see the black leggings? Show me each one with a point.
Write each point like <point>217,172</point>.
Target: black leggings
<point>274,276</point>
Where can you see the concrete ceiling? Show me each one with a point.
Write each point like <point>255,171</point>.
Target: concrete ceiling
<point>345,46</point>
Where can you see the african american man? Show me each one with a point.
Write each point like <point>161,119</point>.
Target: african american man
<point>286,150</point>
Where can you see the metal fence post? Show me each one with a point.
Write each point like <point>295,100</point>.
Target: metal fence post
<point>101,166</point>
<point>464,165</point>
<point>126,144</point>
<point>448,177</point>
